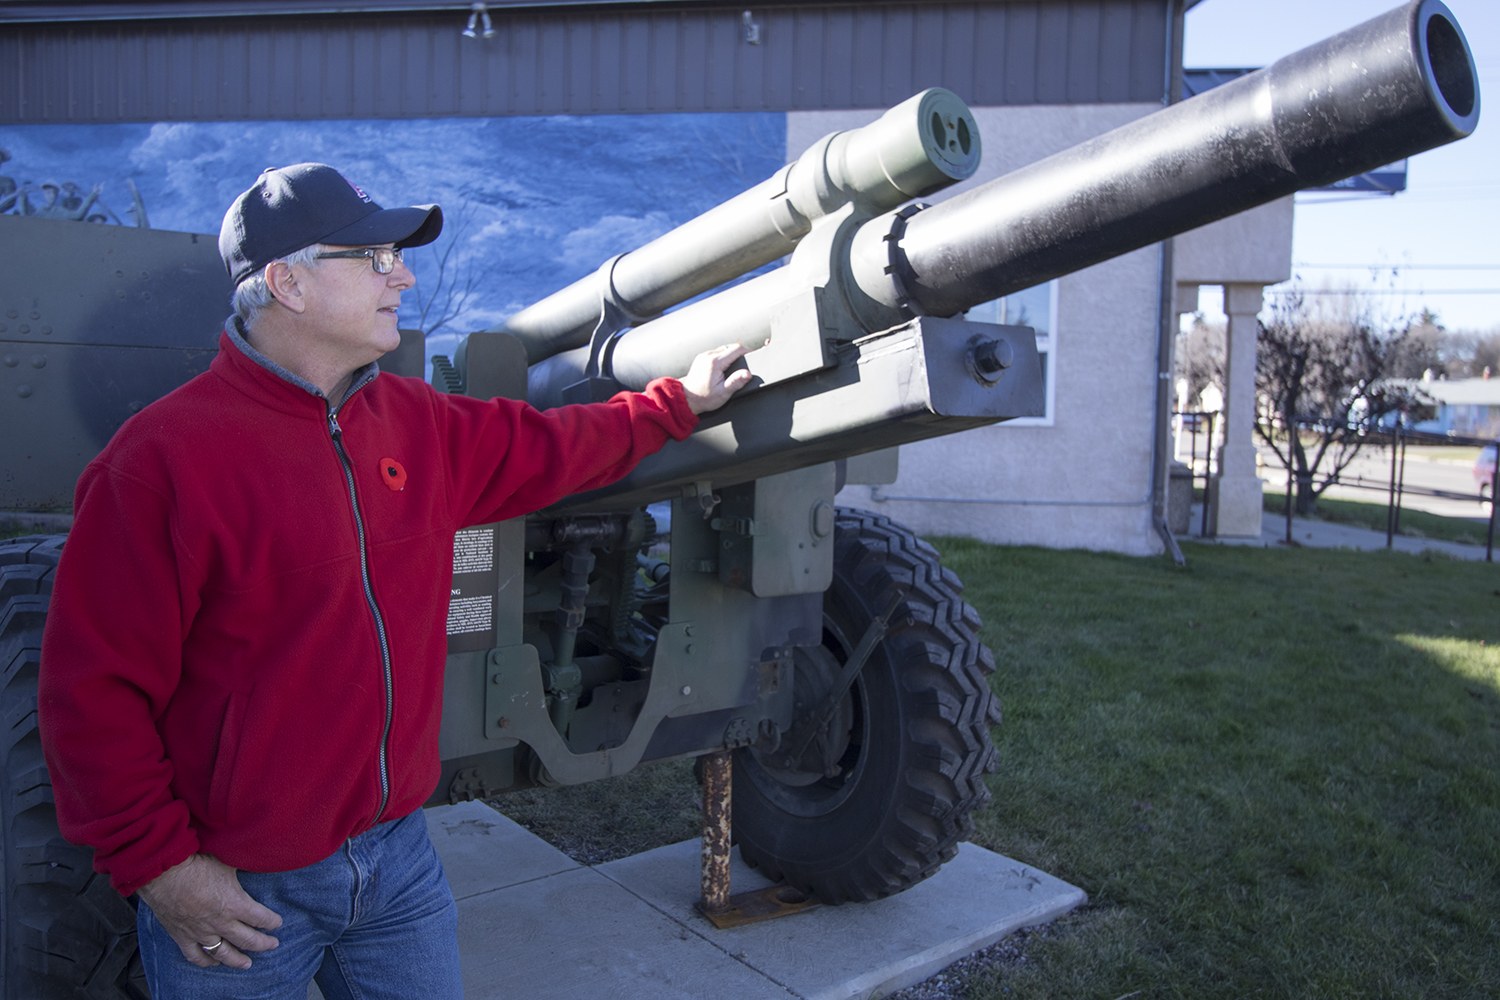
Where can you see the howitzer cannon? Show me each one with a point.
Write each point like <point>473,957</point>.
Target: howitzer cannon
<point>1395,85</point>
<point>825,649</point>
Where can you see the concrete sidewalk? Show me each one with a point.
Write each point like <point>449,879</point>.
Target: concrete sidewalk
<point>1322,534</point>
<point>534,924</point>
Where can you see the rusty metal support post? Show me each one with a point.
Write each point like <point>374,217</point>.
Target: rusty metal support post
<point>716,829</point>
<point>722,910</point>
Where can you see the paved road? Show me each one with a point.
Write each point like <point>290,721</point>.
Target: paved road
<point>1424,479</point>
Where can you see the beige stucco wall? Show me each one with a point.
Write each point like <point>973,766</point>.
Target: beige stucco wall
<point>1252,248</point>
<point>1084,481</point>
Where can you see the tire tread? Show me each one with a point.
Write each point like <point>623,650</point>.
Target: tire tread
<point>65,932</point>
<point>943,671</point>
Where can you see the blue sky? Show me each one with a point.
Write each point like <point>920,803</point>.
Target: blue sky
<point>1443,233</point>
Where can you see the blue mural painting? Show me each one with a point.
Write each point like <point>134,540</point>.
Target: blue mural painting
<point>531,203</point>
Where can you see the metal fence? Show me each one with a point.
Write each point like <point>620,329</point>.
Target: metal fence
<point>1396,488</point>
<point>1196,430</point>
<point>1196,448</point>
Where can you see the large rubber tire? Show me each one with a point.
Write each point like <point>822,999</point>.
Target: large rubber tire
<point>66,932</point>
<point>912,734</point>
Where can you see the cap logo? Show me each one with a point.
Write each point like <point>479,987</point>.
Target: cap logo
<point>359,191</point>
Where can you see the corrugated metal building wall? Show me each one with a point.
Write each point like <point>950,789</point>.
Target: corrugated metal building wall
<point>181,62</point>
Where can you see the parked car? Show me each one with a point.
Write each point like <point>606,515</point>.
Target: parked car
<point>1484,468</point>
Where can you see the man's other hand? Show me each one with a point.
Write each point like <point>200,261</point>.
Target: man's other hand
<point>200,902</point>
<point>709,383</point>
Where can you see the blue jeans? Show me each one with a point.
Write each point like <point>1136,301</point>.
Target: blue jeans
<point>374,921</point>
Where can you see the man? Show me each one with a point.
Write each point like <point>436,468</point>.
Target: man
<point>245,646</point>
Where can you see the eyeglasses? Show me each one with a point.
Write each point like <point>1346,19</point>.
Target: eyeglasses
<point>382,259</point>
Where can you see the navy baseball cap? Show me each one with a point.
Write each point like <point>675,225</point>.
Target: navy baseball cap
<point>288,208</point>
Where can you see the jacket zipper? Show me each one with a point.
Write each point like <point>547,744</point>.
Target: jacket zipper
<point>364,571</point>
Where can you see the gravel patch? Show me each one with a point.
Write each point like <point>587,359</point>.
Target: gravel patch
<point>954,982</point>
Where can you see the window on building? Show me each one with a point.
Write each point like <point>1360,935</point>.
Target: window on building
<point>1037,308</point>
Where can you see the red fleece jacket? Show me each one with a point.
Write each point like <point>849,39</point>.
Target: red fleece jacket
<point>213,677</point>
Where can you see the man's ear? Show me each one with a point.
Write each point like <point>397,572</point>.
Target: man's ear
<point>283,285</point>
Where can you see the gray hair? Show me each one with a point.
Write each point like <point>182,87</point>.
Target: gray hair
<point>252,296</point>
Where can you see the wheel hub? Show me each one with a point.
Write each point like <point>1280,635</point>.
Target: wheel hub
<point>810,753</point>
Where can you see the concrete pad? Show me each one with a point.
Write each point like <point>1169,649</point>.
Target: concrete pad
<point>860,950</point>
<point>533,923</point>
<point>578,935</point>
<point>482,850</point>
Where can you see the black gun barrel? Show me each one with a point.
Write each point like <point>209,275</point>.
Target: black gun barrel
<point>1400,83</point>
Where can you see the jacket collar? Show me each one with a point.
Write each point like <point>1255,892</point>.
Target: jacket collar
<point>250,371</point>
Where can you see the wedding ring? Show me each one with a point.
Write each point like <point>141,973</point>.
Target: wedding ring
<point>211,948</point>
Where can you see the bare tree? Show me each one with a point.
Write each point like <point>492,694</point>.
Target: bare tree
<point>1423,350</point>
<point>1326,376</point>
<point>1470,354</point>
<point>446,295</point>
<point>1200,356</point>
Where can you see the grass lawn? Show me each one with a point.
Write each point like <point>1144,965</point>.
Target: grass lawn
<point>1276,772</point>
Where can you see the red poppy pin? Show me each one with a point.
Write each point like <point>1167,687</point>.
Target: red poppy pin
<point>393,474</point>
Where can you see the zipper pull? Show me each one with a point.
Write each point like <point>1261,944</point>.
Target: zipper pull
<point>333,424</point>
